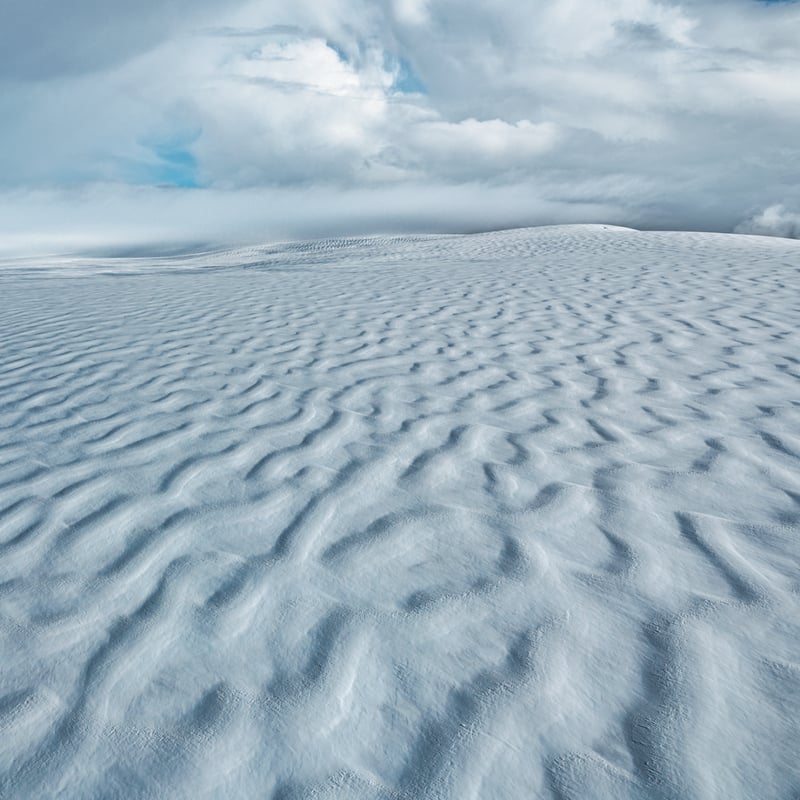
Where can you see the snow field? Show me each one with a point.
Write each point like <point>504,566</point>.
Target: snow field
<point>495,516</point>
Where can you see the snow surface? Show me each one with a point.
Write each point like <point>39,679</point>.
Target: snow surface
<point>511,515</point>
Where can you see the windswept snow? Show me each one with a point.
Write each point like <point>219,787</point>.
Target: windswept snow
<point>512,515</point>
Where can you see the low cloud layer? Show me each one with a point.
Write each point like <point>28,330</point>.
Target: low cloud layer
<point>432,114</point>
<point>776,220</point>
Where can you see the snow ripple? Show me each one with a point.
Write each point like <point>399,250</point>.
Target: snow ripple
<point>503,515</point>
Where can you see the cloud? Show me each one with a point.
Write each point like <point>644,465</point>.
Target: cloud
<point>411,12</point>
<point>479,148</point>
<point>775,220</point>
<point>50,39</point>
<point>674,114</point>
<point>106,218</point>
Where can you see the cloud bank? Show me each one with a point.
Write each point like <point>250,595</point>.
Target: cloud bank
<point>773,221</point>
<point>252,119</point>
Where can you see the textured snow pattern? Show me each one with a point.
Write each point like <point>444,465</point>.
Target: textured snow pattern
<point>511,515</point>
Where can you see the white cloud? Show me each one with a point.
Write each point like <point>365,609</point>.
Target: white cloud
<point>775,220</point>
<point>681,113</point>
<point>106,218</point>
<point>472,148</point>
<point>411,12</point>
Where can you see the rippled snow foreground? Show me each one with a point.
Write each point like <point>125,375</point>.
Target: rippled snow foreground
<point>497,516</point>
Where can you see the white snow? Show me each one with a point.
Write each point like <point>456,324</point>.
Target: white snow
<point>511,515</point>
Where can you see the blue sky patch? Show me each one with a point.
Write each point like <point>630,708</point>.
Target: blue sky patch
<point>407,80</point>
<point>340,51</point>
<point>173,162</point>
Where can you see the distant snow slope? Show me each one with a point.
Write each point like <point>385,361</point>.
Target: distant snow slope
<point>513,515</point>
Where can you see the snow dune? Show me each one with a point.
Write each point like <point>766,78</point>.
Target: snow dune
<point>495,516</point>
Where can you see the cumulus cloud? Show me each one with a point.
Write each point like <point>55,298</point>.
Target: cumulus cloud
<point>673,114</point>
<point>775,220</point>
<point>478,148</point>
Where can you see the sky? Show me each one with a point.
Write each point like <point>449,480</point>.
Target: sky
<point>184,123</point>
